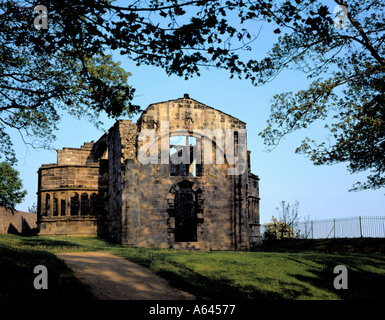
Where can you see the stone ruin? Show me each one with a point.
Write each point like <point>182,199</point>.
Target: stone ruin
<point>149,184</point>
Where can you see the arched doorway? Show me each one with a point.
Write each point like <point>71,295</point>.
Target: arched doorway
<point>185,213</point>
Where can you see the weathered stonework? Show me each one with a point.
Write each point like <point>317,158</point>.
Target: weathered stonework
<point>105,189</point>
<point>17,222</point>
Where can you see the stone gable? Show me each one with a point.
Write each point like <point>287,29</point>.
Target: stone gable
<point>166,181</point>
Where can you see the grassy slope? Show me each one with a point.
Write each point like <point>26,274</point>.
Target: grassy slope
<point>268,275</point>
<point>17,263</point>
<point>291,270</point>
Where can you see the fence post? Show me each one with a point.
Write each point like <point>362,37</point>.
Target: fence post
<point>360,227</point>
<point>312,229</point>
<point>383,225</point>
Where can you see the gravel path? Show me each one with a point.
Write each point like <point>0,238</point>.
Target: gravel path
<point>114,278</point>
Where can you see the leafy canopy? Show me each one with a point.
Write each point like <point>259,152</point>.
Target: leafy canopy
<point>67,67</point>
<point>346,67</point>
<point>278,230</point>
<point>11,192</point>
<point>46,72</point>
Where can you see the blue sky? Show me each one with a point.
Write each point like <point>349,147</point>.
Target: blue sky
<point>322,192</point>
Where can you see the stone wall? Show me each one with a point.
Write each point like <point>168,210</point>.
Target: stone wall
<point>72,195</point>
<point>13,221</point>
<point>148,201</point>
<point>120,144</point>
<point>105,188</point>
<point>74,156</point>
<point>79,226</point>
<point>253,210</point>
<point>69,177</point>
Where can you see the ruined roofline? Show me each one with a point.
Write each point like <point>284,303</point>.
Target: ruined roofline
<point>254,176</point>
<point>187,97</point>
<point>114,126</point>
<point>93,145</point>
<point>55,165</point>
<point>87,146</point>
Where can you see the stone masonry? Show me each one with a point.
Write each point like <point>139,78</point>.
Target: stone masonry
<point>129,186</point>
<point>17,222</point>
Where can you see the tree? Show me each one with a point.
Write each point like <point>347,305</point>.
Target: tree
<point>45,72</point>
<point>66,67</point>
<point>285,226</point>
<point>289,213</point>
<point>350,98</point>
<point>11,192</point>
<point>278,230</point>
<point>306,228</point>
<point>33,208</point>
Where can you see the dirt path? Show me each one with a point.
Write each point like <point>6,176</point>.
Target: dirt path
<point>114,278</point>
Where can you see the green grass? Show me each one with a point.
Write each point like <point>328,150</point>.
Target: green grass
<point>296,270</point>
<point>18,258</point>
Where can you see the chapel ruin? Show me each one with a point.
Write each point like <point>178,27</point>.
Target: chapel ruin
<point>174,179</point>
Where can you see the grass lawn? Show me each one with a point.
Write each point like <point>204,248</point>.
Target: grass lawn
<point>18,258</point>
<point>300,270</point>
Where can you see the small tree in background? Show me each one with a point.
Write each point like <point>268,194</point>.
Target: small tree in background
<point>278,230</point>
<point>33,208</point>
<point>11,192</point>
<point>306,228</point>
<point>289,213</point>
<point>284,226</point>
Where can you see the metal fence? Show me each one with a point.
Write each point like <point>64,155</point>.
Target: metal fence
<point>354,227</point>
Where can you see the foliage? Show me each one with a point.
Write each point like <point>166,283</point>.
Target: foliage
<point>11,192</point>
<point>46,72</point>
<point>278,230</point>
<point>349,98</point>
<point>33,208</point>
<point>66,68</point>
<point>284,226</point>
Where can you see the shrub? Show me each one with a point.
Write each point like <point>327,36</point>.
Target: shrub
<point>278,230</point>
<point>11,192</point>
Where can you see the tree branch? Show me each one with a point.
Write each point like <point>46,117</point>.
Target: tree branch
<point>135,9</point>
<point>366,42</point>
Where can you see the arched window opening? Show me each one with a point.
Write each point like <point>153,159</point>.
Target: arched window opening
<point>62,204</point>
<point>63,207</point>
<point>93,204</point>
<point>55,206</point>
<point>75,205</point>
<point>47,205</point>
<point>84,204</point>
<point>184,155</point>
<point>185,214</point>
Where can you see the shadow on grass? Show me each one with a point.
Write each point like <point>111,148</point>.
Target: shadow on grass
<point>58,243</point>
<point>17,277</point>
<point>366,279</point>
<point>341,245</point>
<point>209,288</point>
<point>206,288</point>
<point>362,284</point>
<point>47,243</point>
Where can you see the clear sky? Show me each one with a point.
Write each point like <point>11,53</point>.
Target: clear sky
<point>322,192</point>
